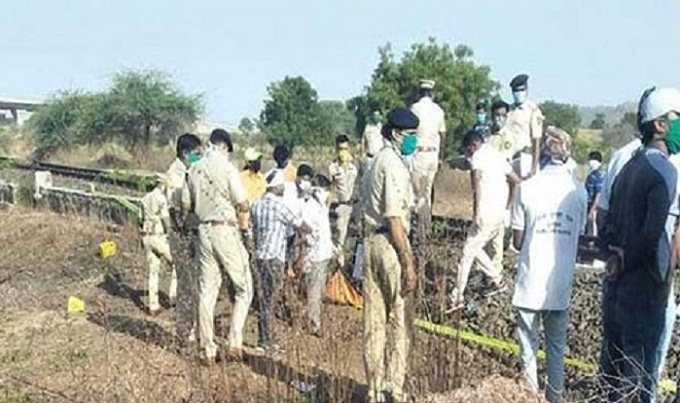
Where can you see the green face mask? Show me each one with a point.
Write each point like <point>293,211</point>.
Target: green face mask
<point>193,158</point>
<point>673,136</point>
<point>408,144</point>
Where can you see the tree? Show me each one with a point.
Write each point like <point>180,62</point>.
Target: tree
<point>339,117</point>
<point>460,84</point>
<point>599,122</point>
<point>147,103</point>
<point>58,123</point>
<point>246,126</point>
<point>564,116</point>
<point>139,108</point>
<point>292,114</point>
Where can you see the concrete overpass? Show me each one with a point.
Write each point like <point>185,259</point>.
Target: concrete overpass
<point>16,105</point>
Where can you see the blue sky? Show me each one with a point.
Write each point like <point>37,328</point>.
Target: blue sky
<point>581,51</point>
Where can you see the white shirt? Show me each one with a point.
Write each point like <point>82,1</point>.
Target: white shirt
<point>432,122</point>
<point>551,210</point>
<point>320,241</point>
<point>616,164</point>
<point>493,183</point>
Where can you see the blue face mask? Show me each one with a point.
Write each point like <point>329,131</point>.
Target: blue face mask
<point>519,97</point>
<point>481,117</point>
<point>408,144</point>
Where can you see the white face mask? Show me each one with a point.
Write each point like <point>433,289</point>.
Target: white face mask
<point>593,165</point>
<point>304,186</point>
<point>519,96</point>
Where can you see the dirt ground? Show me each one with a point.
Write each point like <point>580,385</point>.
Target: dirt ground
<point>114,353</point>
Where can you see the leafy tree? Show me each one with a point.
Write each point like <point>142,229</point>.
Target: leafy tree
<point>139,108</point>
<point>145,104</point>
<point>599,122</point>
<point>58,123</point>
<point>246,126</point>
<point>340,119</point>
<point>564,116</point>
<point>460,83</point>
<point>292,114</point>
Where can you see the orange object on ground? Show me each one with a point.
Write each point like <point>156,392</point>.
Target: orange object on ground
<point>340,291</point>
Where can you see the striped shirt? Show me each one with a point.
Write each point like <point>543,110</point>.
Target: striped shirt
<point>269,219</point>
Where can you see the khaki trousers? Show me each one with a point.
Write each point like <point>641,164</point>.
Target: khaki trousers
<point>316,274</point>
<point>387,323</point>
<point>158,251</point>
<point>221,251</point>
<point>426,166</point>
<point>344,212</point>
<point>478,239</point>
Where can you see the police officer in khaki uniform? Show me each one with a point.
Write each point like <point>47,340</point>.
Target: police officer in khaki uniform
<point>390,274</point>
<point>343,174</point>
<point>184,238</point>
<point>431,139</point>
<point>154,231</point>
<point>524,129</point>
<point>214,192</point>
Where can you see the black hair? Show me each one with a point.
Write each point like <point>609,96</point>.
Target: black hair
<point>386,130</point>
<point>186,143</point>
<point>281,152</point>
<point>305,170</point>
<point>500,104</point>
<point>425,92</point>
<point>595,155</point>
<point>221,136</point>
<point>647,131</point>
<point>471,136</point>
<point>481,105</point>
<point>342,138</point>
<point>322,181</point>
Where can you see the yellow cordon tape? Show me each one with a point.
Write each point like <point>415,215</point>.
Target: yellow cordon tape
<point>665,386</point>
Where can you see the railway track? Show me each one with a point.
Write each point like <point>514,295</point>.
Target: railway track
<point>111,177</point>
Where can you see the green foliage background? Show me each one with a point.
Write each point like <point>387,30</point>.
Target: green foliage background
<point>460,84</point>
<point>140,108</point>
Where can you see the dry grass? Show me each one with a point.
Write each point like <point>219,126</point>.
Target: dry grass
<point>493,389</point>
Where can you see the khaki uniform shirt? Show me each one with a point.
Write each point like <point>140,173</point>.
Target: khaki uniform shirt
<point>388,192</point>
<point>176,176</point>
<point>213,189</point>
<point>432,122</point>
<point>343,177</point>
<point>524,123</point>
<point>155,208</point>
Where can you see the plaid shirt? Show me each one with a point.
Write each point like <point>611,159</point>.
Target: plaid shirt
<point>594,184</point>
<point>269,219</point>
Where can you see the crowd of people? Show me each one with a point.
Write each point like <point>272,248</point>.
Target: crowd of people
<point>259,230</point>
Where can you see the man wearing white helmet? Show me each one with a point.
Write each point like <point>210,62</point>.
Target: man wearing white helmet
<point>638,232</point>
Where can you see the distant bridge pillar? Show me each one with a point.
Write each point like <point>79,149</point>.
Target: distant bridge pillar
<point>15,115</point>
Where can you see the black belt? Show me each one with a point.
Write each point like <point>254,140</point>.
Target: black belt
<point>346,203</point>
<point>382,230</point>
